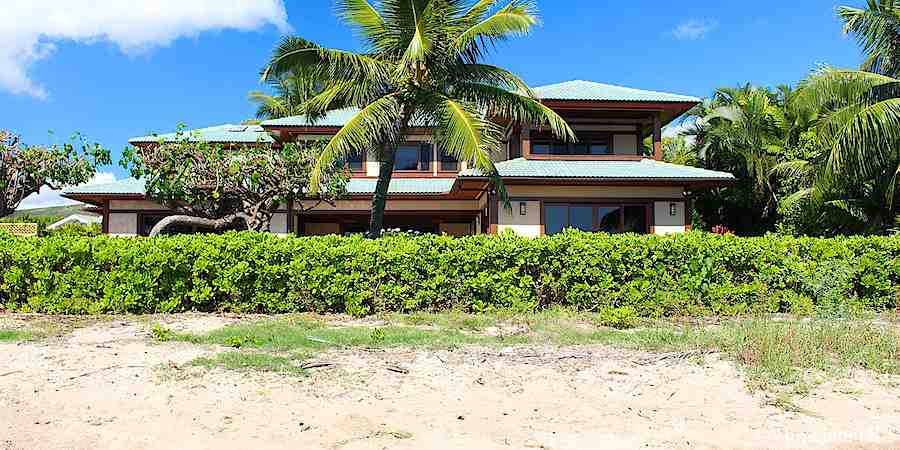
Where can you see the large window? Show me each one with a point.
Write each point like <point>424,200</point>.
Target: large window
<point>413,157</point>
<point>589,143</point>
<point>594,217</point>
<point>449,163</point>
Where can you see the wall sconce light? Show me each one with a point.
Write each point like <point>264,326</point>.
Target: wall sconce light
<point>523,209</point>
<point>673,209</point>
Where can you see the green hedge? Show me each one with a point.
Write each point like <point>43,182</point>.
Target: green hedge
<point>692,274</point>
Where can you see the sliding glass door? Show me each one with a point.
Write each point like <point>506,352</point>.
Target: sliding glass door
<point>606,218</point>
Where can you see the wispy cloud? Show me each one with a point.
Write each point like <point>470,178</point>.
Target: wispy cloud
<point>29,29</point>
<point>694,29</point>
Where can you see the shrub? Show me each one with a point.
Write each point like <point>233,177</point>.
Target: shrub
<point>619,318</point>
<point>690,274</point>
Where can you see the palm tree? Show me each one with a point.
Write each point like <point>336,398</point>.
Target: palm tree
<point>291,90</point>
<point>422,65</point>
<point>877,29</point>
<point>742,131</point>
<point>858,129</point>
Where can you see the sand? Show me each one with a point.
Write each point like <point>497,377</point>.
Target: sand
<point>108,385</point>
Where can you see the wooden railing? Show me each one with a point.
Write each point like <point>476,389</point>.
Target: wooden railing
<point>20,229</point>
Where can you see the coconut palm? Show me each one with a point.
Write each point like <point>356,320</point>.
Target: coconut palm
<point>422,65</point>
<point>742,131</point>
<point>858,129</point>
<point>877,29</point>
<point>291,90</point>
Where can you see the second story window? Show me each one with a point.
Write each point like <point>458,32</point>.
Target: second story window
<point>449,163</point>
<point>598,143</point>
<point>413,157</point>
<point>355,163</point>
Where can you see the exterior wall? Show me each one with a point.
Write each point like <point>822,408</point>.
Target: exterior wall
<point>279,223</point>
<point>132,205</point>
<point>588,192</point>
<point>625,144</point>
<point>665,222</point>
<point>123,224</point>
<point>528,225</point>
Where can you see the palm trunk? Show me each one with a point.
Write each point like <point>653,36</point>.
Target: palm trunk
<point>379,198</point>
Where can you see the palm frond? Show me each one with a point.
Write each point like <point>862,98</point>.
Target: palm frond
<point>295,53</point>
<point>516,19</point>
<point>500,103</point>
<point>372,125</point>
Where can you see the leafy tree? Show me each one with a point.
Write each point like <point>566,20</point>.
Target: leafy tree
<point>291,90</point>
<point>851,182</point>
<point>220,187</point>
<point>421,65</point>
<point>877,29</point>
<point>24,170</point>
<point>677,150</point>
<point>743,131</point>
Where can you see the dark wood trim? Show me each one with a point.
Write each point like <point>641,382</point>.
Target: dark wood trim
<point>610,105</point>
<point>290,217</point>
<point>493,213</point>
<point>105,226</point>
<point>358,212</point>
<point>411,174</point>
<point>688,214</point>
<point>657,138</point>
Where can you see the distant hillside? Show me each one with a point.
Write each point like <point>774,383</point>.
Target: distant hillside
<point>55,211</point>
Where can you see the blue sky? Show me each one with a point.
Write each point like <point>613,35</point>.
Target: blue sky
<point>120,75</point>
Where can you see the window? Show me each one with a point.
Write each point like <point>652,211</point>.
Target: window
<point>355,163</point>
<point>449,163</point>
<point>591,217</point>
<point>594,143</point>
<point>413,157</point>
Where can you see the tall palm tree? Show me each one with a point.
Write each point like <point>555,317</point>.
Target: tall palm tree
<point>858,128</point>
<point>877,29</point>
<point>422,65</point>
<point>742,130</point>
<point>291,90</point>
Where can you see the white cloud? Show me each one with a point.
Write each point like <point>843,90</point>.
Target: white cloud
<point>694,29</point>
<point>50,197</point>
<point>29,29</point>
<point>677,128</point>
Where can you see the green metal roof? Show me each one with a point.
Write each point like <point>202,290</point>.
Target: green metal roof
<point>128,186</point>
<point>336,118</point>
<point>228,133</point>
<point>403,186</point>
<point>645,169</point>
<point>358,186</point>
<point>588,90</point>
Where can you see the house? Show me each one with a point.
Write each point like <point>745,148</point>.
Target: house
<point>82,219</point>
<point>605,182</point>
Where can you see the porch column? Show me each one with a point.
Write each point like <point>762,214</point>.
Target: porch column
<point>526,141</point>
<point>657,138</point>
<point>105,224</point>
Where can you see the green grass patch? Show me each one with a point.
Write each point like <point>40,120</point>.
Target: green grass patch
<point>784,355</point>
<point>15,335</point>
<point>252,361</point>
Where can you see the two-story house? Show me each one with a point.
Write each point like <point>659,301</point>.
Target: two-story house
<point>605,182</point>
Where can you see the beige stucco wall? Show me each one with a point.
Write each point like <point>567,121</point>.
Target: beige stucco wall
<point>145,205</point>
<point>625,144</point>
<point>528,225</point>
<point>665,223</point>
<point>588,192</point>
<point>122,224</point>
<point>279,223</point>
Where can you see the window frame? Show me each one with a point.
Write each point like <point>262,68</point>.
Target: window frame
<point>424,148</point>
<point>595,208</point>
<point>586,139</point>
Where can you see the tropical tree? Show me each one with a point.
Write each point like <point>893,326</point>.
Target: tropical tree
<point>422,65</point>
<point>24,170</point>
<point>877,29</point>
<point>742,131</point>
<point>290,91</point>
<point>852,181</point>
<point>219,187</point>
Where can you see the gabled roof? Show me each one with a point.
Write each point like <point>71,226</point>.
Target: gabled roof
<point>356,186</point>
<point>645,169</point>
<point>591,91</point>
<point>225,134</point>
<point>85,219</point>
